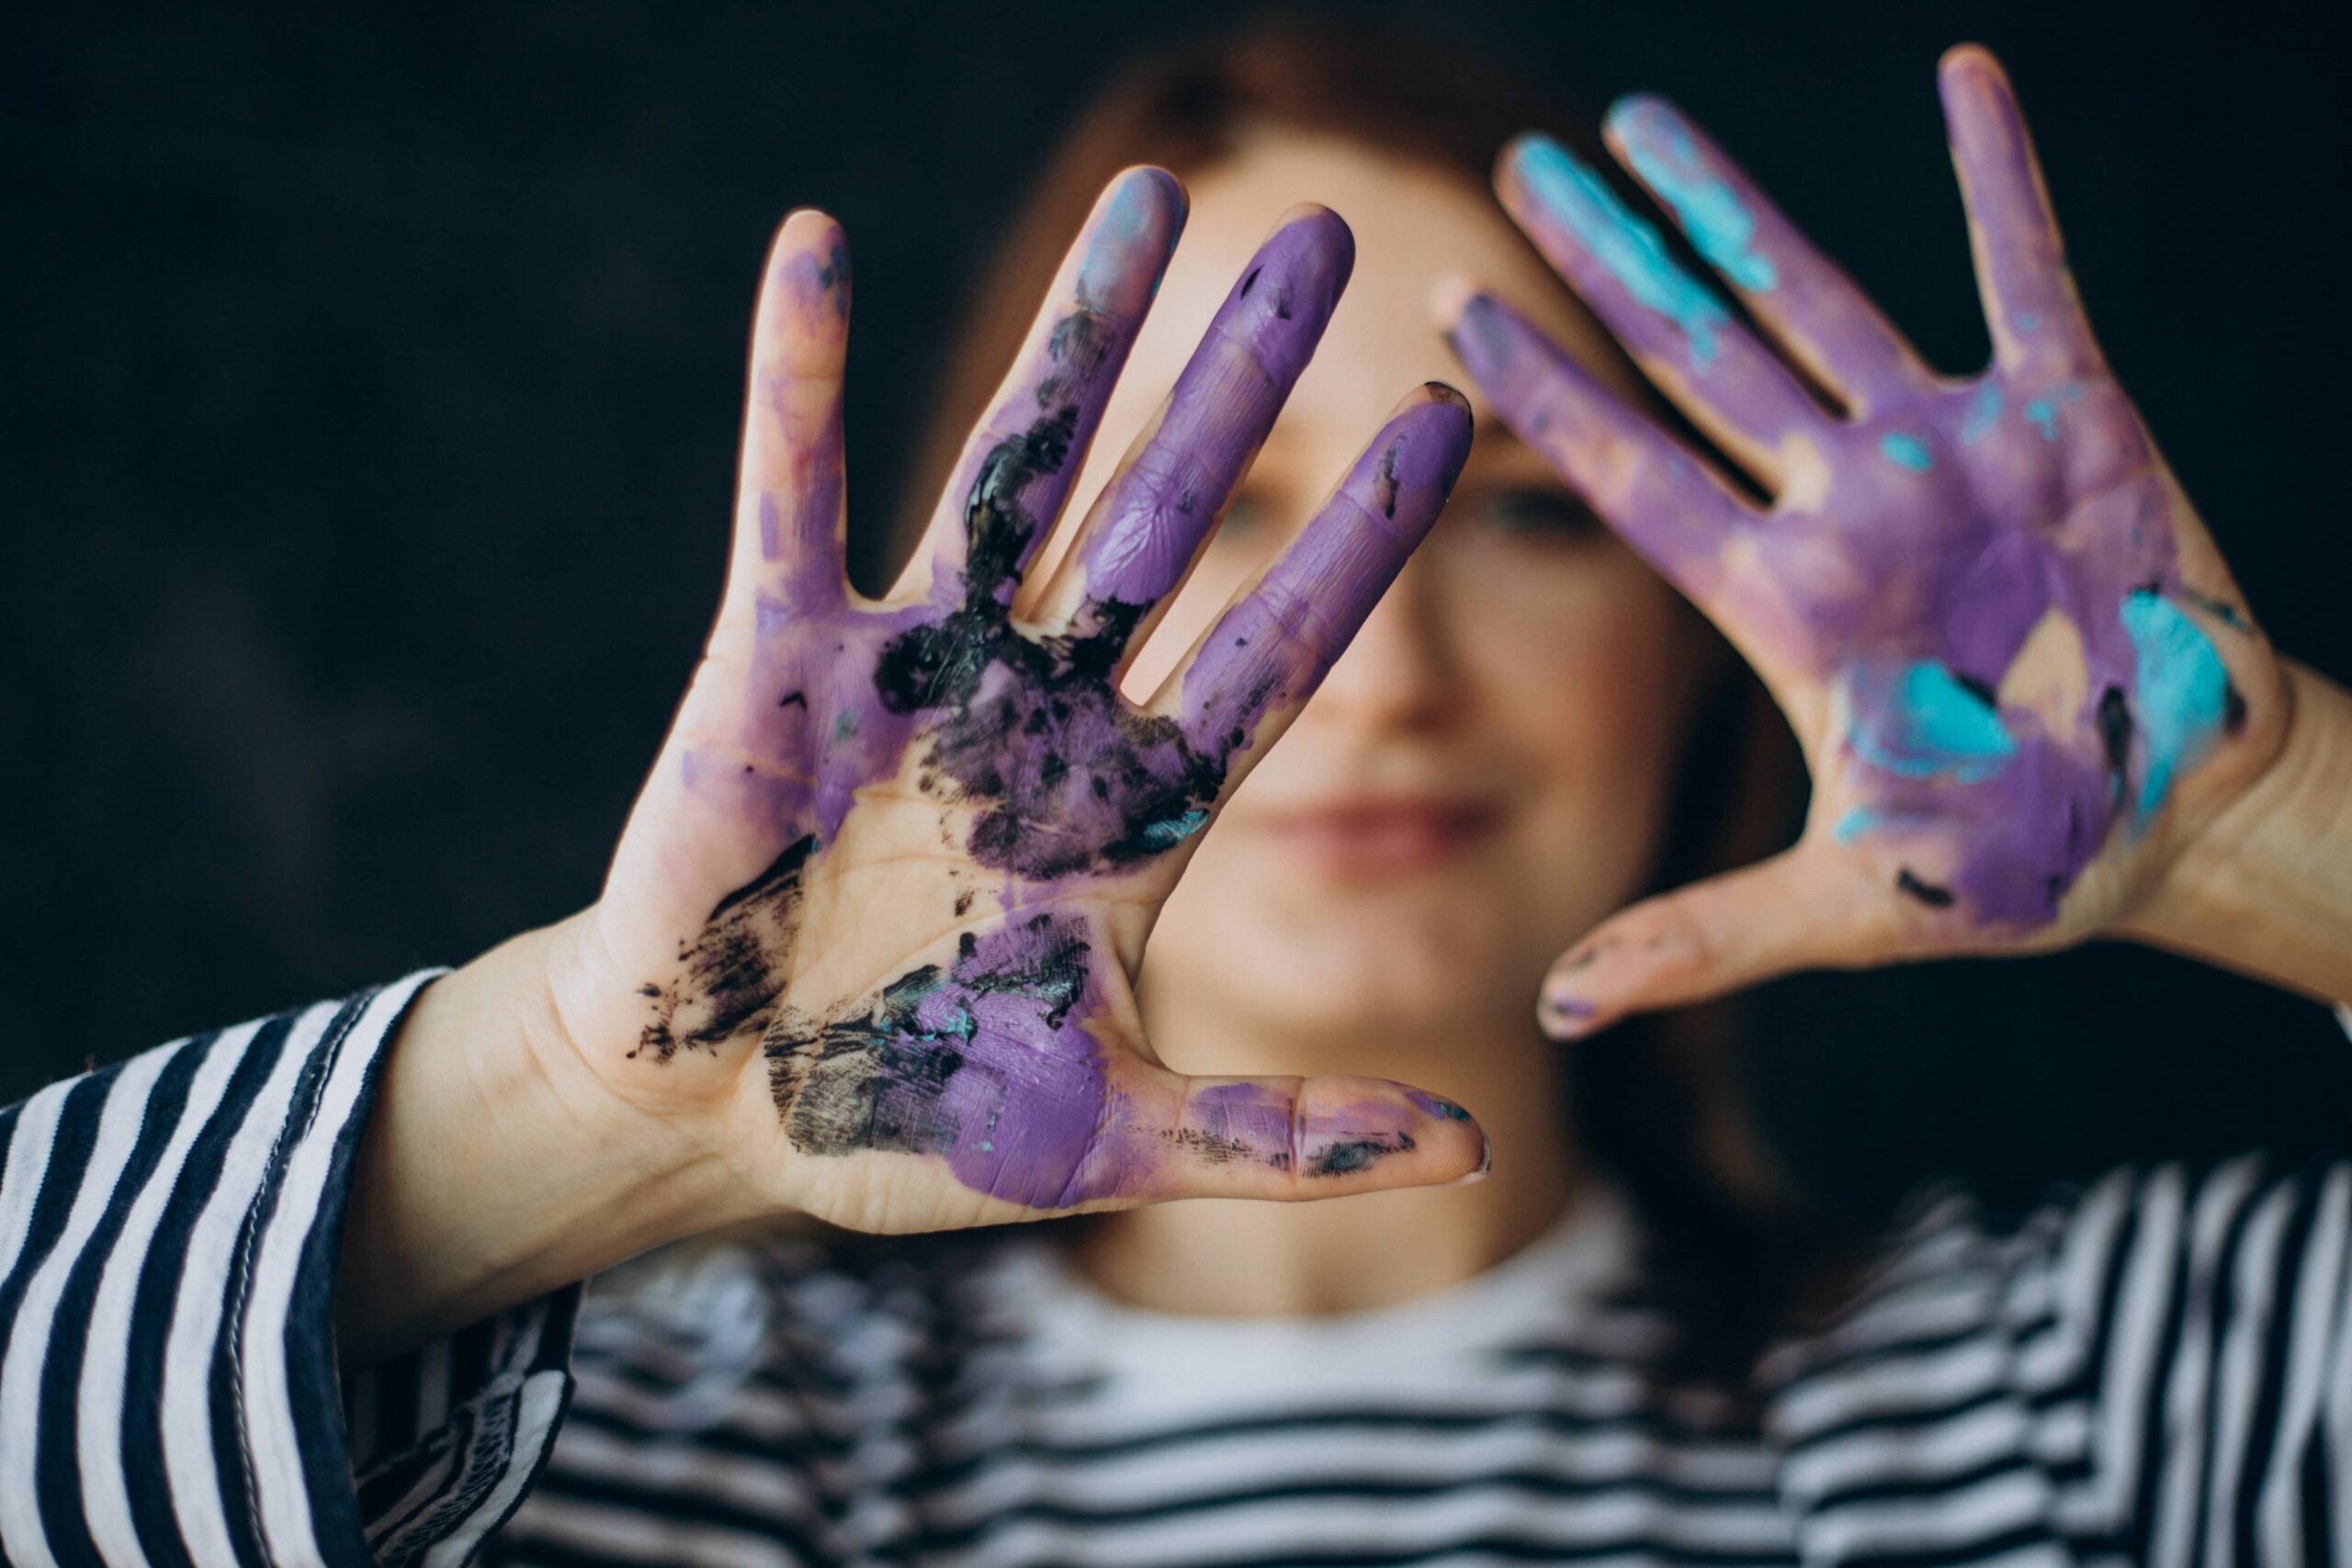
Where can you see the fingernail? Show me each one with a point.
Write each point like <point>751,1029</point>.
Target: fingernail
<point>1486,1164</point>
<point>1564,1016</point>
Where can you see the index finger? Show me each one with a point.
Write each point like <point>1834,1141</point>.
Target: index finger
<point>788,499</point>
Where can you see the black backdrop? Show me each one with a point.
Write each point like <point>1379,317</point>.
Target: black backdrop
<point>369,392</point>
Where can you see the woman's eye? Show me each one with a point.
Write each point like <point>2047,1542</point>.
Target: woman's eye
<point>1536,514</point>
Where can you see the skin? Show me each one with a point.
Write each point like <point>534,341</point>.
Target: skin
<point>2022,674</point>
<point>870,939</point>
<point>1525,666</point>
<point>809,921</point>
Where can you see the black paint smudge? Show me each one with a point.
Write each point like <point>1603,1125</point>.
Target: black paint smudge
<point>1357,1153</point>
<point>1069,778</point>
<point>2115,728</point>
<point>874,1077</point>
<point>1927,892</point>
<point>734,970</point>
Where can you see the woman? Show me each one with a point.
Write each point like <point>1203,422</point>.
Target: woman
<point>872,953</point>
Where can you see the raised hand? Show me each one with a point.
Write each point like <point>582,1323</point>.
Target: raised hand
<point>876,920</point>
<point>2019,666</point>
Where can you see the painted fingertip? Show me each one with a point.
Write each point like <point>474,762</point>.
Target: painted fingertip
<point>810,263</point>
<point>1484,1167</point>
<point>1132,232</point>
<point>1565,1015</point>
<point>1278,306</point>
<point>1450,299</point>
<point>1641,115</point>
<point>1965,57</point>
<point>1315,215</point>
<point>801,221</point>
<point>1151,187</point>
<point>1424,445</point>
<point>1527,144</point>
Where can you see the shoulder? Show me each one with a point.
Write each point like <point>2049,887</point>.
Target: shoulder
<point>1964,1297</point>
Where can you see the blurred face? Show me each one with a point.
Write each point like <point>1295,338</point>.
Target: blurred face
<point>1483,775</point>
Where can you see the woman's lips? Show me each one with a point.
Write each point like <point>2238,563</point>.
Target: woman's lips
<point>1380,837</point>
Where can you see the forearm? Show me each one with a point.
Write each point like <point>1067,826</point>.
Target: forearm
<point>2268,888</point>
<point>494,1171</point>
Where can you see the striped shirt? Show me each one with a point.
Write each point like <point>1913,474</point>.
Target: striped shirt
<point>2155,1369</point>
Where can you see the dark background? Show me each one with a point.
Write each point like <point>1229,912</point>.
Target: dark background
<point>369,392</point>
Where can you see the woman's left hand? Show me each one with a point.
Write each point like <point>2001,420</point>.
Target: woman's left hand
<point>2023,678</point>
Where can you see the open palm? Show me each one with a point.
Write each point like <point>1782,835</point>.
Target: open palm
<point>877,917</point>
<point>2019,666</point>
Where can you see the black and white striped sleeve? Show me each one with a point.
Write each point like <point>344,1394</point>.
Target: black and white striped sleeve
<point>2225,1403</point>
<point>168,1382</point>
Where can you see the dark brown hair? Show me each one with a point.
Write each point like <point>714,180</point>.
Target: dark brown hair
<point>1654,1104</point>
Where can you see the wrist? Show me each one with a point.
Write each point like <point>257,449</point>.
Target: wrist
<point>2264,888</point>
<point>496,1168</point>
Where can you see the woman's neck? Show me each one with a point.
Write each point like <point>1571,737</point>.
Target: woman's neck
<point>1248,1259</point>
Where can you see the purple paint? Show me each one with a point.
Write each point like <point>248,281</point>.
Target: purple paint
<point>1922,532</point>
<point>1158,511</point>
<point>998,1057</point>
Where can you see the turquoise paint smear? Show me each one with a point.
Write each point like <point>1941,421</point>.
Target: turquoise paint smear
<point>1982,414</point>
<point>1856,821</point>
<point>2044,417</point>
<point>1906,451</point>
<point>1711,213</point>
<point>1629,248</point>
<point>1111,247</point>
<point>1932,727</point>
<point>2026,320</point>
<point>1167,835</point>
<point>2181,693</point>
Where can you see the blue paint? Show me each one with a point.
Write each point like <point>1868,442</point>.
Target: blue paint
<point>2026,320</point>
<point>2181,692</point>
<point>2044,417</point>
<point>1128,220</point>
<point>1629,248</point>
<point>1167,835</point>
<point>1711,213</point>
<point>1857,820</point>
<point>1982,413</point>
<point>1906,451</point>
<point>2072,391</point>
<point>1929,725</point>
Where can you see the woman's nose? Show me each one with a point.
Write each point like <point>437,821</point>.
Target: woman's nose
<point>1398,672</point>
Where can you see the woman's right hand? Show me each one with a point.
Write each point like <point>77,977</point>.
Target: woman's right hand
<point>872,934</point>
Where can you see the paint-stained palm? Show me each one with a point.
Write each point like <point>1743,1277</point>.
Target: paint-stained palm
<point>2020,670</point>
<point>874,926</point>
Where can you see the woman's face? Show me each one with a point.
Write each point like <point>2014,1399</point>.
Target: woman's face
<point>1483,774</point>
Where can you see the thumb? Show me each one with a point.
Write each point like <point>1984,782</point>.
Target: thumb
<point>1797,911</point>
<point>1287,1138</point>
